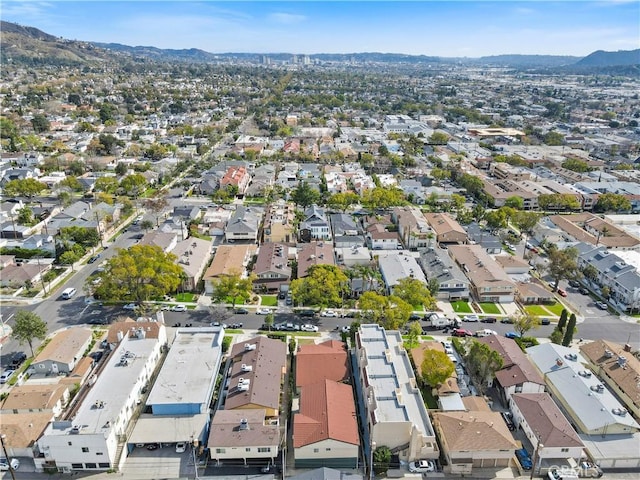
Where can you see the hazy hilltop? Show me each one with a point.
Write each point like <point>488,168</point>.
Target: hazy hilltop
<point>601,58</point>
<point>20,44</point>
<point>29,45</point>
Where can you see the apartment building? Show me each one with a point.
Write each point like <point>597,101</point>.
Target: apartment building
<point>395,412</point>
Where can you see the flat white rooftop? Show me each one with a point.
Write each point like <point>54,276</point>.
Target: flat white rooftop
<point>191,365</point>
<point>106,399</point>
<point>390,374</point>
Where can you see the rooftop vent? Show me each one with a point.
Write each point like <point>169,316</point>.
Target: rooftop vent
<point>75,430</point>
<point>585,373</point>
<point>249,346</point>
<point>622,361</point>
<point>621,412</point>
<point>597,388</point>
<point>247,368</point>
<point>571,356</point>
<point>244,424</point>
<point>608,354</point>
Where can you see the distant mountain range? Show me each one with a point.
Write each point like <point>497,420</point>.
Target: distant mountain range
<point>32,46</point>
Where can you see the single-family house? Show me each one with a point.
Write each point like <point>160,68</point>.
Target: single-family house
<point>439,267</point>
<point>279,223</point>
<point>378,238</point>
<point>227,260</point>
<point>315,225</point>
<point>271,267</point>
<point>62,353</point>
<point>398,265</point>
<point>244,224</point>
<point>446,229</point>
<point>413,228</point>
<point>314,253</point>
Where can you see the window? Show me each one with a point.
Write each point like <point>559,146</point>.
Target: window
<point>104,465</point>
<point>316,450</point>
<point>264,449</point>
<point>221,450</point>
<point>99,453</point>
<point>69,443</point>
<point>77,466</point>
<point>564,450</point>
<point>85,449</point>
<point>248,449</point>
<point>328,449</point>
<point>90,465</point>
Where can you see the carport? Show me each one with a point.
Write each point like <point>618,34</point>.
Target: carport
<point>170,429</point>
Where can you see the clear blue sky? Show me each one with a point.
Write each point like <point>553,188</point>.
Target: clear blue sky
<point>440,28</point>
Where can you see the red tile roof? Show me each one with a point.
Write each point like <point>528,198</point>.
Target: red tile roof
<point>327,411</point>
<point>325,361</point>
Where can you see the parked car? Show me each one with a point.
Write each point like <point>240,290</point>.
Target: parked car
<point>415,316</point>
<point>4,465</point>
<point>17,360</point>
<point>574,283</point>
<point>562,292</point>
<point>508,419</point>
<point>6,375</point>
<point>583,291</point>
<point>506,320</point>
<point>309,328</point>
<point>461,332</point>
<point>263,311</point>
<point>179,308</point>
<point>524,459</point>
<point>471,318</point>
<point>130,306</point>
<point>329,313</point>
<point>545,321</point>
<point>489,320</point>
<point>602,305</point>
<point>241,311</point>
<point>94,258</point>
<point>307,313</point>
<point>422,466</point>
<point>153,446</point>
<point>236,325</point>
<point>181,447</point>
<point>512,335</point>
<point>591,470</point>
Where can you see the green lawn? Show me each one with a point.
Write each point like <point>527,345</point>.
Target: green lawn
<point>490,308</point>
<point>536,310</point>
<point>239,300</point>
<point>269,301</point>
<point>556,308</point>
<point>461,307</point>
<point>186,297</point>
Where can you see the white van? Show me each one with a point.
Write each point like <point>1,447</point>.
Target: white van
<point>485,333</point>
<point>68,293</point>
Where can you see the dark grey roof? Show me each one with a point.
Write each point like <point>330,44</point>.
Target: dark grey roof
<point>482,237</point>
<point>436,263</point>
<point>342,223</point>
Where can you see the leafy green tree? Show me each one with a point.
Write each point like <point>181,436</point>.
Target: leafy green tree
<point>25,216</point>
<point>24,187</point>
<point>234,287</point>
<point>389,311</point>
<point>40,123</point>
<point>157,206</point>
<point>525,221</point>
<point>471,183</point>
<point>563,264</point>
<point>156,152</point>
<point>133,185</point>
<point>381,459</point>
<point>483,362</point>
<point>342,201</point>
<point>496,219</point>
<point>415,293</point>
<point>576,165</point>
<point>383,197</point>
<point>28,327</point>
<point>440,174</point>
<point>71,183</point>
<point>556,336</point>
<point>525,322</point>
<point>304,195</point>
<point>558,201</point>
<point>436,367</point>
<point>268,320</point>
<point>69,257</point>
<point>106,184</point>
<point>612,202</point>
<point>438,138</point>
<point>514,202</point>
<point>139,273</point>
<point>571,329</point>
<point>324,286</point>
<point>554,139</point>
<point>107,112</point>
<point>590,272</point>
<point>415,330</point>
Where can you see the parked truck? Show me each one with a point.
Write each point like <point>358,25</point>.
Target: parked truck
<point>435,320</point>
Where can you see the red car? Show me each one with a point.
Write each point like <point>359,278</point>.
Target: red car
<point>461,332</point>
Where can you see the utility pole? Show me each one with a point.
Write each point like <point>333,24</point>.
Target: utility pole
<point>6,455</point>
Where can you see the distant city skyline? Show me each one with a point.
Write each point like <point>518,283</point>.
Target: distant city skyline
<point>434,28</point>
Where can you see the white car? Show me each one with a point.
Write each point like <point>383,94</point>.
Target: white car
<point>179,308</point>
<point>181,447</point>
<point>130,306</point>
<point>471,318</point>
<point>309,328</point>
<point>263,311</point>
<point>4,465</point>
<point>329,313</point>
<point>422,466</point>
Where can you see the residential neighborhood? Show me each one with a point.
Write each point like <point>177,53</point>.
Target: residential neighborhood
<point>285,266</point>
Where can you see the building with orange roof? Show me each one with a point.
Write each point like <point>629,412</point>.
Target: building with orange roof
<point>325,427</point>
<point>236,176</point>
